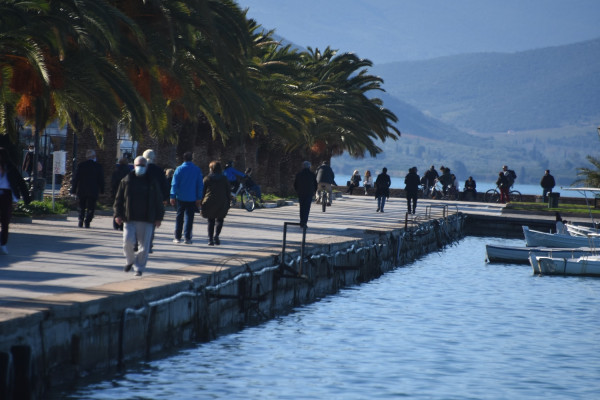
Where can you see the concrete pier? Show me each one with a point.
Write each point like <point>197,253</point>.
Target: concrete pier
<point>67,309</point>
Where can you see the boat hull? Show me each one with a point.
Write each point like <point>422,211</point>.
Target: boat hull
<point>520,255</point>
<point>556,240</point>
<point>583,266</point>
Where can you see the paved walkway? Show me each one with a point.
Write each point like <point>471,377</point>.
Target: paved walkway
<point>55,262</point>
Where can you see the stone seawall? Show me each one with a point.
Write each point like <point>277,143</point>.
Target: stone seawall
<point>109,328</point>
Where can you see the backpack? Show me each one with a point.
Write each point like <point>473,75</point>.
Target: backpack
<point>511,176</point>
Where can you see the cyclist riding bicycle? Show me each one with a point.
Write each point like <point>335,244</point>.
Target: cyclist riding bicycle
<point>325,178</point>
<point>232,175</point>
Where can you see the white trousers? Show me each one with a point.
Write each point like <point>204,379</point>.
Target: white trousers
<point>140,232</point>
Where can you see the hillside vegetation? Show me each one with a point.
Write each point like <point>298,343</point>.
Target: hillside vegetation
<point>536,89</point>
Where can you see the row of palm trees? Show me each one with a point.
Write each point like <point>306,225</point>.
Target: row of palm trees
<point>165,70</point>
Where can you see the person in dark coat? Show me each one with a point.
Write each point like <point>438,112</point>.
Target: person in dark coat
<point>382,189</point>
<point>325,178</point>
<point>305,185</point>
<point>216,198</point>
<point>155,172</point>
<point>547,183</point>
<point>412,181</point>
<point>119,173</point>
<point>139,206</point>
<point>429,180</point>
<point>354,181</point>
<point>445,179</point>
<point>12,186</point>
<point>470,190</point>
<point>88,184</point>
<point>28,161</point>
<point>503,185</point>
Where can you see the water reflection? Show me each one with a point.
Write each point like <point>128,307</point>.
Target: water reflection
<point>448,326</point>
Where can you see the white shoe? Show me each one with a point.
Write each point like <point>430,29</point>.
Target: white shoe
<point>3,250</point>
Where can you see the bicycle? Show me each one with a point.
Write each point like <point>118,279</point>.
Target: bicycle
<point>323,199</point>
<point>437,192</point>
<point>248,199</point>
<point>493,196</point>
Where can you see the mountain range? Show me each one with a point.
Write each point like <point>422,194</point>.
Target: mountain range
<point>533,110</point>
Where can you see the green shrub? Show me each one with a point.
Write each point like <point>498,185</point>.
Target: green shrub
<point>39,208</point>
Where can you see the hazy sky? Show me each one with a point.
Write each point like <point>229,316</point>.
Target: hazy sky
<point>396,30</point>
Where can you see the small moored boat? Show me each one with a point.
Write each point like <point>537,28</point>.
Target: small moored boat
<point>520,255</point>
<point>582,266</point>
<point>535,238</point>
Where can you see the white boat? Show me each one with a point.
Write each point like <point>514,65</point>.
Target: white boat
<point>580,230</point>
<point>520,255</point>
<point>581,266</point>
<point>535,238</point>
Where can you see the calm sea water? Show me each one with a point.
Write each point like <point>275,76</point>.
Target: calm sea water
<point>448,326</point>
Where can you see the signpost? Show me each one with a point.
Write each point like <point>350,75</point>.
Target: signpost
<point>59,165</point>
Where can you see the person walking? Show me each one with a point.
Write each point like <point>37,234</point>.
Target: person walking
<point>119,173</point>
<point>382,189</point>
<point>186,193</point>
<point>12,186</point>
<point>28,161</point>
<point>216,198</point>
<point>139,207</point>
<point>88,184</point>
<point>155,172</point>
<point>445,179</point>
<point>430,176</point>
<point>354,182</point>
<point>305,185</point>
<point>412,181</point>
<point>325,178</point>
<point>368,182</point>
<point>547,183</point>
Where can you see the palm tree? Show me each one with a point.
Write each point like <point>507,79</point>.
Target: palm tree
<point>347,120</point>
<point>588,176</point>
<point>66,65</point>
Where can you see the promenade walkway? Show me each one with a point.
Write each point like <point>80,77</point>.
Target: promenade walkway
<point>52,262</point>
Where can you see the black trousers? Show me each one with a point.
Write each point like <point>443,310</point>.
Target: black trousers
<point>87,208</point>
<point>411,197</point>
<point>305,203</point>
<point>211,227</point>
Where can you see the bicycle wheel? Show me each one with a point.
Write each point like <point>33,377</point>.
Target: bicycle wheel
<point>248,201</point>
<point>514,195</point>
<point>492,196</point>
<point>324,200</point>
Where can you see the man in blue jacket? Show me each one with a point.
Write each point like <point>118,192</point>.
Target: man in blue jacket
<point>186,192</point>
